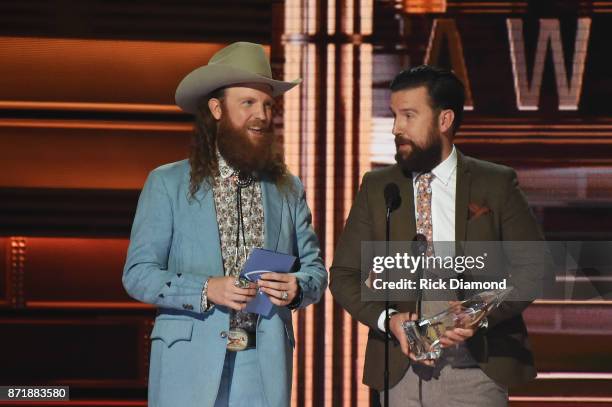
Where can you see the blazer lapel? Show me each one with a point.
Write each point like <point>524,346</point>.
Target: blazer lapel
<point>205,224</point>
<point>273,208</point>
<point>403,224</point>
<point>464,182</point>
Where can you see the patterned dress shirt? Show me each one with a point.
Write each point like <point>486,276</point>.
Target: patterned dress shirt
<point>233,251</point>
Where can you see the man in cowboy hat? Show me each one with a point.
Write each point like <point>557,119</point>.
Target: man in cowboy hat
<point>196,223</point>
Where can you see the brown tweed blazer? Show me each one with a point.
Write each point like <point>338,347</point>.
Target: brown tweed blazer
<point>503,350</point>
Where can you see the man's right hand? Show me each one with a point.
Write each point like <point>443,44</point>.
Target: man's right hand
<point>395,325</point>
<point>222,291</point>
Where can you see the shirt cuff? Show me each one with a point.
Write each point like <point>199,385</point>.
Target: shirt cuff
<point>205,305</point>
<point>297,301</point>
<point>381,318</point>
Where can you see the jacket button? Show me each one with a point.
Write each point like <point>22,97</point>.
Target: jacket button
<point>223,334</point>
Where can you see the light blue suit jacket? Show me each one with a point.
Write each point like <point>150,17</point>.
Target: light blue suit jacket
<point>174,245</point>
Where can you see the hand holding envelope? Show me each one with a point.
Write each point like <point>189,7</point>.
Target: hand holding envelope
<point>223,291</point>
<point>281,288</point>
<point>271,271</point>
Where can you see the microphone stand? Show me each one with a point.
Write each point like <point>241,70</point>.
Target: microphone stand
<point>420,246</point>
<point>392,201</point>
<point>387,329</point>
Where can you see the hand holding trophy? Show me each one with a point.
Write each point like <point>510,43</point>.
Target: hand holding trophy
<point>424,335</point>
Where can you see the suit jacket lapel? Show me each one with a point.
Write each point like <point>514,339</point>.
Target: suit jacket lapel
<point>206,227</point>
<point>462,199</point>
<point>403,224</point>
<point>273,208</point>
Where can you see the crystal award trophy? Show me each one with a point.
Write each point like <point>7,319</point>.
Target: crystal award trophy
<point>424,335</point>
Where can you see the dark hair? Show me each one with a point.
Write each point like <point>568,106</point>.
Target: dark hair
<point>203,153</point>
<point>445,90</point>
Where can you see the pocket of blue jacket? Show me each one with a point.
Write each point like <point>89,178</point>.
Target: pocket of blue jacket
<point>172,330</point>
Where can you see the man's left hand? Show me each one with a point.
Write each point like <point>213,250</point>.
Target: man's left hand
<point>281,288</point>
<point>456,335</point>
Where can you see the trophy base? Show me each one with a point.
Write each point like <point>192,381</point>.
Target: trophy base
<point>420,346</point>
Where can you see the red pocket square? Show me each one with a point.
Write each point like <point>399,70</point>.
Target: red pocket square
<point>476,211</point>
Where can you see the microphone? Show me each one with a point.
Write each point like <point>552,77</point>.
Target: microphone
<point>393,200</point>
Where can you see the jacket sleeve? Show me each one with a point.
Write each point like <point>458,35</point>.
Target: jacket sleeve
<point>312,276</point>
<point>146,275</point>
<point>345,273</point>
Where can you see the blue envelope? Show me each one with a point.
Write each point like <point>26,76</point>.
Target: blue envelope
<point>262,261</point>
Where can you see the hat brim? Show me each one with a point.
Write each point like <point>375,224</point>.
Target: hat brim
<point>206,79</point>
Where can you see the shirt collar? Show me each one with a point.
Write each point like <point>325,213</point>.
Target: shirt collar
<point>444,171</point>
<point>225,171</point>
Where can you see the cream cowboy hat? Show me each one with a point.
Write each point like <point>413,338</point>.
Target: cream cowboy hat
<point>240,62</point>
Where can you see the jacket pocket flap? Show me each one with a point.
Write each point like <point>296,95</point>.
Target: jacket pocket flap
<point>172,330</point>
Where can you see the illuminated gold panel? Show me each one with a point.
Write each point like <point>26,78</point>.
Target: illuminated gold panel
<point>365,112</point>
<point>66,272</point>
<point>293,17</point>
<point>366,12</point>
<point>14,252</point>
<point>332,110</point>
<point>330,178</point>
<point>347,89</point>
<point>331,16</point>
<point>61,271</point>
<point>292,108</point>
<point>4,272</point>
<point>86,154</point>
<point>96,71</point>
<point>363,391</point>
<point>446,28</point>
<point>89,106</point>
<point>312,23</point>
<point>106,76</point>
<point>307,171</point>
<point>348,26</point>
<point>528,91</point>
<point>424,6</point>
<point>365,164</point>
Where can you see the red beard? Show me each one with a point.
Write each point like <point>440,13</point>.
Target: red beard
<point>241,151</point>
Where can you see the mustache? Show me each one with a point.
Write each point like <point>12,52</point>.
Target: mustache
<point>401,141</point>
<point>259,123</point>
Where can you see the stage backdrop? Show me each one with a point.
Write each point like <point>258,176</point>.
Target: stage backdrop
<point>86,111</point>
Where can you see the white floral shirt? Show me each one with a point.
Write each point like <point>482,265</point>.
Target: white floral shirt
<point>225,190</point>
